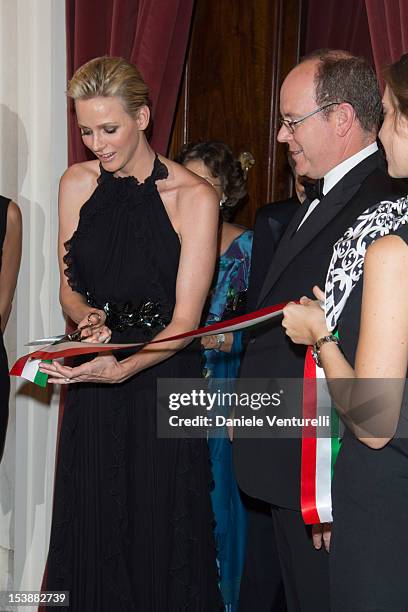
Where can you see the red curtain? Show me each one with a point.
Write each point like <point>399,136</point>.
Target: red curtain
<point>388,22</point>
<point>152,34</point>
<point>338,24</point>
<point>376,29</point>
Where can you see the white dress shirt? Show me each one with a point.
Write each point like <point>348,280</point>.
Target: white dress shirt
<point>336,174</point>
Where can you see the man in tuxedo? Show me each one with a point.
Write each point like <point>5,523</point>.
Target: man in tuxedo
<point>261,584</point>
<point>330,107</point>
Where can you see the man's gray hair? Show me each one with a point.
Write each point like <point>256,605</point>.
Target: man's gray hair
<point>343,77</point>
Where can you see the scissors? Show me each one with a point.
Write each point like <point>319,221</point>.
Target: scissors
<point>73,337</point>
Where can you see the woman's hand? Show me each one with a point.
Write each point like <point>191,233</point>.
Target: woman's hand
<point>103,369</point>
<point>305,322</point>
<point>98,332</point>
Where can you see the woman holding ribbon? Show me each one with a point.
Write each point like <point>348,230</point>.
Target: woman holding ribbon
<point>132,521</point>
<point>215,162</point>
<point>365,363</point>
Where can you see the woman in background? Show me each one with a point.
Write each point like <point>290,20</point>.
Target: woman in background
<point>214,162</point>
<point>10,256</point>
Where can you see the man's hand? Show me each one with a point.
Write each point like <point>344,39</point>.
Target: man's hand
<point>321,534</point>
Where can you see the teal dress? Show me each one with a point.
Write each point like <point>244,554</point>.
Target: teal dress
<point>227,300</point>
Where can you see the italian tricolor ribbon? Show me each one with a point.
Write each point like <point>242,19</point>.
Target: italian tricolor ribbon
<point>29,369</point>
<point>319,452</point>
<point>28,365</point>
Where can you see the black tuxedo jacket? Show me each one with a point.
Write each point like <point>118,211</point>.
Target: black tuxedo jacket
<point>270,223</point>
<point>269,469</point>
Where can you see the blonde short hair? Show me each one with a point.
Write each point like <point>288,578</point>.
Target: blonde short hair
<point>110,77</point>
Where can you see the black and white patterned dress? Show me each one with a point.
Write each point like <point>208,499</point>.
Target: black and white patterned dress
<point>368,556</point>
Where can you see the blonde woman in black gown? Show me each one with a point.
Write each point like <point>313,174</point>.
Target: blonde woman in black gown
<point>132,521</point>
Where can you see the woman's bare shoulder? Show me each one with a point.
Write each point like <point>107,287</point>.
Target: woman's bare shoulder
<point>385,265</point>
<point>183,183</point>
<point>82,172</point>
<point>387,251</point>
<point>178,175</point>
<point>13,215</point>
<point>232,230</point>
<point>80,180</point>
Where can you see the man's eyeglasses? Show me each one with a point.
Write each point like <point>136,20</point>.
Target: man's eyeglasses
<point>291,124</point>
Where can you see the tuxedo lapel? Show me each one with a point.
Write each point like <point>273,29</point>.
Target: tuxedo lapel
<point>294,240</point>
<point>283,249</point>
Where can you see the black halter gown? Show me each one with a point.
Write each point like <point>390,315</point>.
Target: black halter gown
<point>132,520</point>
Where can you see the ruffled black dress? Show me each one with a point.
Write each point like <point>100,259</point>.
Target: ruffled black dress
<point>132,521</point>
<point>368,550</point>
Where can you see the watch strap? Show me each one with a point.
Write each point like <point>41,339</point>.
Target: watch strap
<point>318,345</point>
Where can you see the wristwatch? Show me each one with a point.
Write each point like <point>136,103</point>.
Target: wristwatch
<point>220,341</point>
<point>318,345</point>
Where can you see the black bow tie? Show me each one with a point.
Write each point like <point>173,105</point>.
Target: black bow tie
<point>314,191</point>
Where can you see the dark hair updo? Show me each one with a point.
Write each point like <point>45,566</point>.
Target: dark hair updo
<point>222,165</point>
<point>396,77</point>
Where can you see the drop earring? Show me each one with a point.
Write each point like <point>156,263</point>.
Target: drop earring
<point>222,201</point>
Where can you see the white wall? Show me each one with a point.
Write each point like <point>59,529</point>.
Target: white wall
<point>33,156</point>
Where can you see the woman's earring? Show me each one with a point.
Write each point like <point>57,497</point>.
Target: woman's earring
<point>222,201</point>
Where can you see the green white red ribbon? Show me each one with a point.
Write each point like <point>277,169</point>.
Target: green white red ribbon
<point>319,452</point>
<point>29,369</point>
<point>28,365</point>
